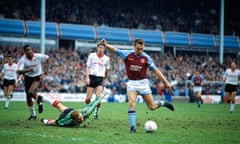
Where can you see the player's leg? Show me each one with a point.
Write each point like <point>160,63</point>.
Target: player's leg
<point>55,103</point>
<point>8,93</point>
<point>90,91</point>
<point>228,91</point>
<point>33,93</point>
<point>226,97</point>
<point>153,106</point>
<point>233,95</point>
<point>198,99</point>
<point>99,90</point>
<point>89,108</point>
<point>132,96</point>
<point>30,102</point>
<point>200,95</point>
<point>31,107</point>
<point>7,96</point>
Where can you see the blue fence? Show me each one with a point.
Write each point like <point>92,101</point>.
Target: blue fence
<point>203,40</point>
<point>91,33</point>
<point>177,39</point>
<point>34,29</point>
<point>150,37</point>
<point>229,41</point>
<point>15,27</point>
<point>114,34</point>
<point>73,31</point>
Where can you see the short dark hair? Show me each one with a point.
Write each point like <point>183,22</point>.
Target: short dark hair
<point>139,41</point>
<point>9,54</point>
<point>235,61</point>
<point>25,47</point>
<point>100,44</point>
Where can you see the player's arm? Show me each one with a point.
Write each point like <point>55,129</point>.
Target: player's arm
<point>1,74</point>
<point>107,69</point>
<point>224,77</point>
<point>106,74</point>
<point>51,122</point>
<point>21,69</point>
<point>159,74</point>
<point>46,65</point>
<point>20,78</point>
<point>25,71</point>
<point>108,46</point>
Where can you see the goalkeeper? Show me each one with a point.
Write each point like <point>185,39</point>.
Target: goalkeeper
<point>70,117</point>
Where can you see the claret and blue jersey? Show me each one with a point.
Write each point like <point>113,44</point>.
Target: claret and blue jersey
<point>136,65</point>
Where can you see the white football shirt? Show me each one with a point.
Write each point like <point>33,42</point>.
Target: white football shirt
<point>34,63</point>
<point>98,65</point>
<point>232,76</point>
<point>10,71</point>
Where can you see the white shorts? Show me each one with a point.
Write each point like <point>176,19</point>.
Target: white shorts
<point>197,89</point>
<point>142,87</point>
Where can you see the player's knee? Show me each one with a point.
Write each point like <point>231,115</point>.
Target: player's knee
<point>32,94</point>
<point>151,107</point>
<point>87,101</point>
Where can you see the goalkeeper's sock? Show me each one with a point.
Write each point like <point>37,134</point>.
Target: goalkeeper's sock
<point>132,117</point>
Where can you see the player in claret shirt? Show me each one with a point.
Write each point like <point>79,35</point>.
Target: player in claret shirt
<point>137,63</point>
<point>197,81</point>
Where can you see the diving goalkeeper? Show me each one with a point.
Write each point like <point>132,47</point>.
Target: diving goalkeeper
<point>70,117</point>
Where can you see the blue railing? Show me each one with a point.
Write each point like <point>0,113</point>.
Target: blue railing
<point>150,37</point>
<point>177,39</point>
<point>15,27</point>
<point>34,29</point>
<point>73,31</point>
<point>91,33</point>
<point>203,40</point>
<point>114,34</point>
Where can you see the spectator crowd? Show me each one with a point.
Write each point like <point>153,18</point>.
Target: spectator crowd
<point>199,16</point>
<point>67,70</point>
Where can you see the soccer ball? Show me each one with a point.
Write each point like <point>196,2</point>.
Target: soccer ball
<point>150,126</point>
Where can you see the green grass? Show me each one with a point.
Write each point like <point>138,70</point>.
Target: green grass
<point>212,123</point>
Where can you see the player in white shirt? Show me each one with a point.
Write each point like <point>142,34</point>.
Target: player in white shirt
<point>97,68</point>
<point>231,80</point>
<point>30,66</point>
<point>9,72</point>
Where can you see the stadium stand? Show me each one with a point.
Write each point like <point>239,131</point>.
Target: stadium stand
<point>176,24</point>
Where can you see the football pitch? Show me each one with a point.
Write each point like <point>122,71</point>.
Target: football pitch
<point>188,124</point>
